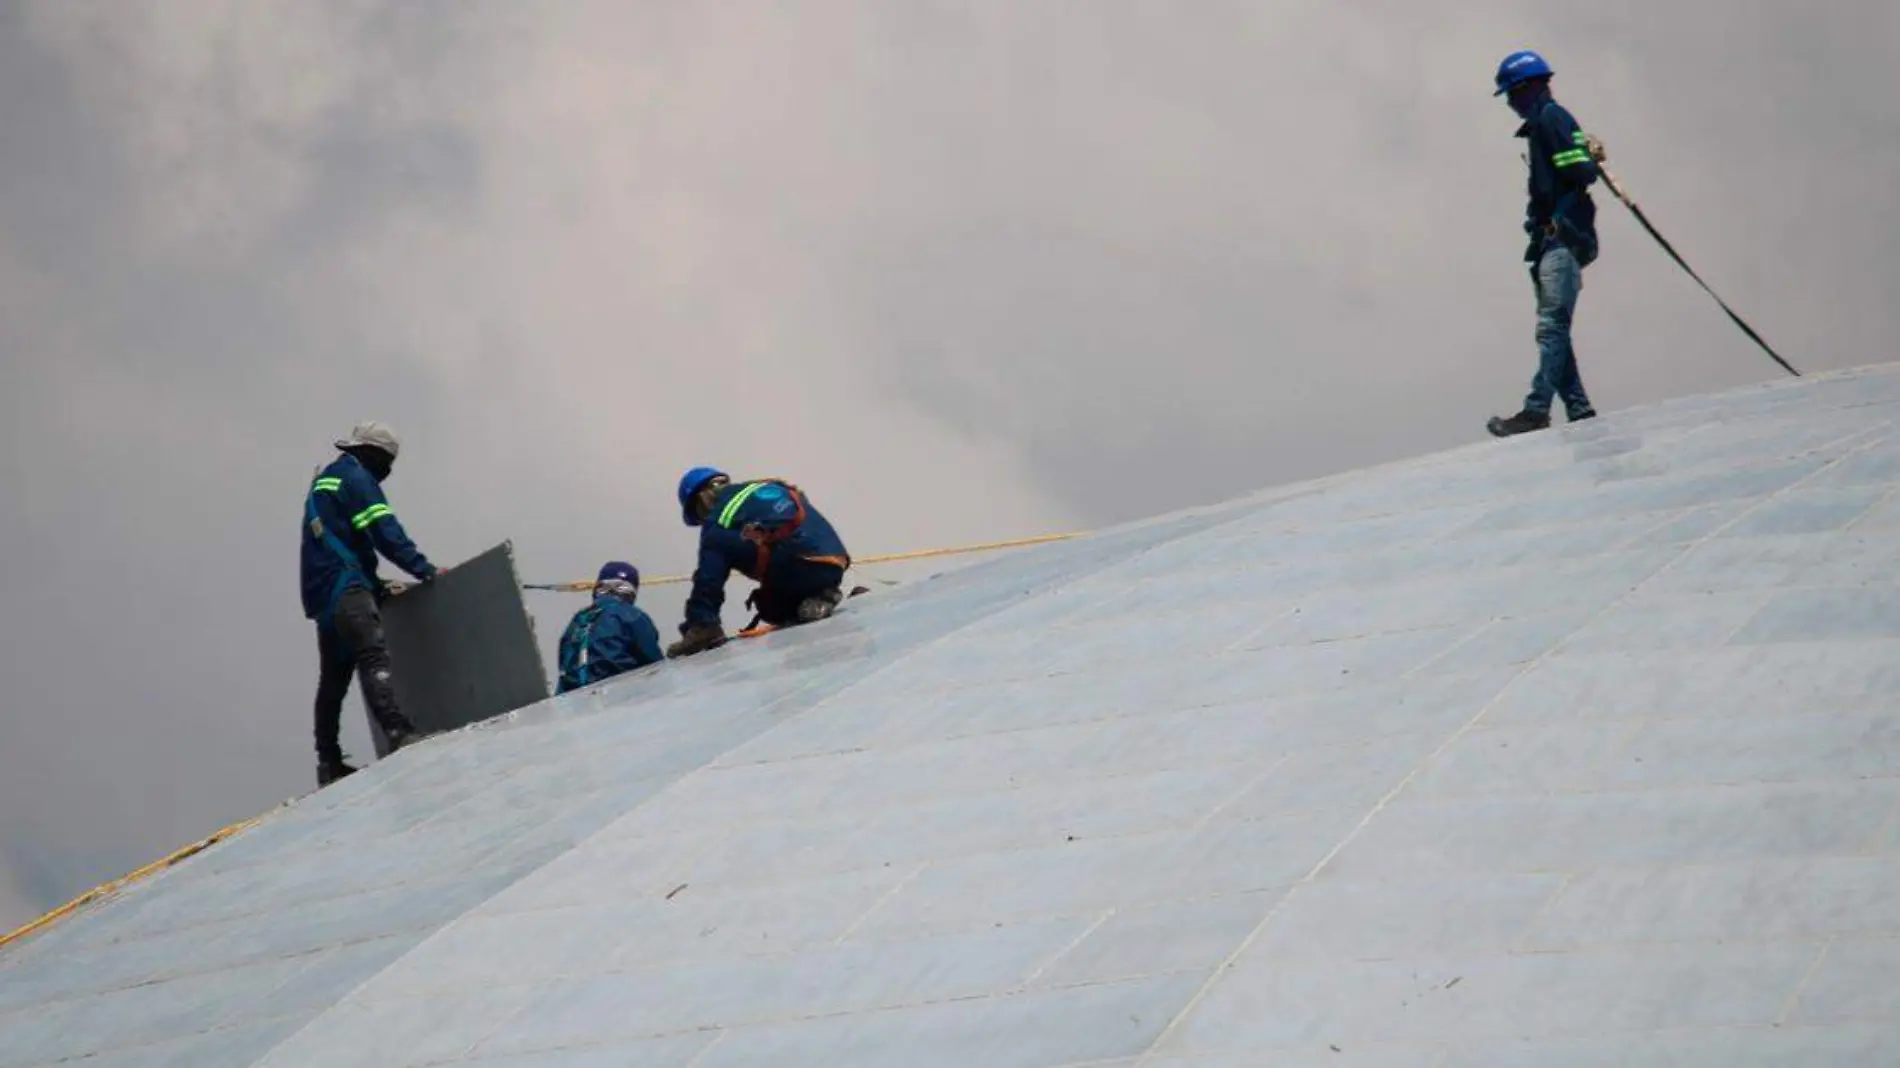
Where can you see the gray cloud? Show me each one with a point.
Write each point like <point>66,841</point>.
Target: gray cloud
<point>965,272</point>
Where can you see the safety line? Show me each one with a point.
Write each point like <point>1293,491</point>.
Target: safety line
<point>1615,187</point>
<point>586,585</point>
<point>128,879</point>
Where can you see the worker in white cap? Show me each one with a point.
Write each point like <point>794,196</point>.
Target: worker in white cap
<point>347,522</point>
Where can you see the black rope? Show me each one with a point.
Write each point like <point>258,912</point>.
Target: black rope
<point>1674,255</point>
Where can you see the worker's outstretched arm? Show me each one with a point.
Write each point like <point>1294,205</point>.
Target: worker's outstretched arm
<point>372,515</point>
<point>709,583</point>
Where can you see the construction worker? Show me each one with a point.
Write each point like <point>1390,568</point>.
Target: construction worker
<point>610,636</point>
<point>1561,222</point>
<point>768,531</point>
<point>347,521</point>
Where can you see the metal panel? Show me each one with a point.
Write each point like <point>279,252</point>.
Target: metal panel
<point>464,646</point>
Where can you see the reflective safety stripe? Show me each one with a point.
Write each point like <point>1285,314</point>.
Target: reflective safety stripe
<point>1579,138</point>
<point>1570,158</point>
<point>329,485</point>
<point>731,510</point>
<point>369,515</point>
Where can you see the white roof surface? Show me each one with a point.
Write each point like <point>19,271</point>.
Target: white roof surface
<point>1578,749</point>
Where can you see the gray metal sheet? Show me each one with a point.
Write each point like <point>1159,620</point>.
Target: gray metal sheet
<point>463,646</point>
<point>1580,749</point>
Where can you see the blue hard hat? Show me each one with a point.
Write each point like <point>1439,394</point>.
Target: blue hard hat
<point>619,570</point>
<point>690,483</point>
<point>1519,67</point>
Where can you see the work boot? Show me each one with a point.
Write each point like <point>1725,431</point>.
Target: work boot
<point>1522,423</point>
<point>697,639</point>
<point>1587,413</point>
<point>820,606</point>
<point>330,770</point>
<point>402,733</point>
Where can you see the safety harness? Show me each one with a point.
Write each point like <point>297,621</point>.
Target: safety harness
<point>324,535</point>
<point>576,669</point>
<point>764,537</point>
<point>761,536</point>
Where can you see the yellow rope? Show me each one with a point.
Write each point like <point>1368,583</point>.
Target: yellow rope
<point>888,558</point>
<point>123,881</point>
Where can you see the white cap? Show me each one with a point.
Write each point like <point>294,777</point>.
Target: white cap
<point>374,434</point>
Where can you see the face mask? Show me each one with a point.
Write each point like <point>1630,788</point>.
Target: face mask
<point>1523,100</point>
<point>616,588</point>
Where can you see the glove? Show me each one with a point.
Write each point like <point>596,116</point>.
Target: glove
<point>392,588</point>
<point>697,639</point>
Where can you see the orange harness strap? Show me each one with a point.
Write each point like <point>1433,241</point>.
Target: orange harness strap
<point>764,539</point>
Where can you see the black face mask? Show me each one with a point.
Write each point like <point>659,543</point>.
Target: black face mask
<point>377,461</point>
<point>1525,99</point>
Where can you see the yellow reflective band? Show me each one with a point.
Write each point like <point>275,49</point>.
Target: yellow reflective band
<point>369,515</point>
<point>1570,158</point>
<point>1578,137</point>
<point>731,510</point>
<point>328,484</point>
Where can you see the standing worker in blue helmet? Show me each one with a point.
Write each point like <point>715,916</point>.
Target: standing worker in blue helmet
<point>610,636</point>
<point>346,523</point>
<point>768,531</point>
<point>1561,222</point>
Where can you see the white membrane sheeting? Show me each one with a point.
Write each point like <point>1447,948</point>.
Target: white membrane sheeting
<point>1578,749</point>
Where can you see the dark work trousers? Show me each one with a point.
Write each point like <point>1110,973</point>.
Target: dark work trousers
<point>789,582</point>
<point>354,642</point>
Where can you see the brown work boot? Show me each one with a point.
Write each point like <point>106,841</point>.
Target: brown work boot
<point>697,639</point>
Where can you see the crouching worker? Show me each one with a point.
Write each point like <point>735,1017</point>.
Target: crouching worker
<point>768,531</point>
<point>611,635</point>
<point>346,523</point>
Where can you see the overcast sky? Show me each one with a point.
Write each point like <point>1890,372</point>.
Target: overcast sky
<point>963,270</point>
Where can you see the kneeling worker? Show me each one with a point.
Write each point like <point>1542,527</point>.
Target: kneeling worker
<point>766,530</point>
<point>346,522</point>
<point>611,635</point>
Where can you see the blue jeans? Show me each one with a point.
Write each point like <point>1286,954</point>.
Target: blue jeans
<point>1558,279</point>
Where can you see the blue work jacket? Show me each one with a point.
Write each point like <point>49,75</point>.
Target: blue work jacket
<point>346,523</point>
<point>780,542</point>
